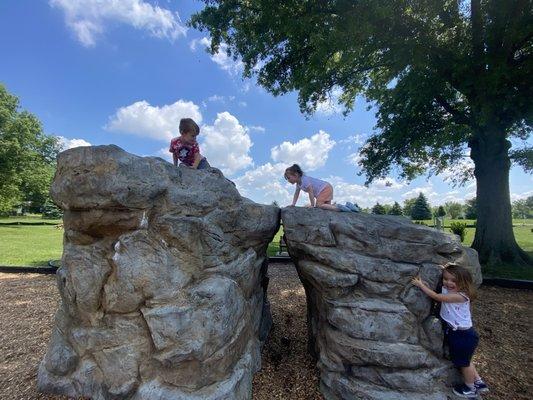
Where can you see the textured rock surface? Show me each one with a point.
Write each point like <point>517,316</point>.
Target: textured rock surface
<point>163,281</point>
<point>371,331</point>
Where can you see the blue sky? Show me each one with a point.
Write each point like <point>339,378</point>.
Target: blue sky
<point>125,72</point>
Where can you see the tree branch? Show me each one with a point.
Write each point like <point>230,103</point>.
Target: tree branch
<point>478,61</point>
<point>458,117</point>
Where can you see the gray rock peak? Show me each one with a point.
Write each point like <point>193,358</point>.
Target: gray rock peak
<point>370,330</point>
<point>163,281</point>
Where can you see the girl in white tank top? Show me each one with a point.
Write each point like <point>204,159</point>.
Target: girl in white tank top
<point>462,339</point>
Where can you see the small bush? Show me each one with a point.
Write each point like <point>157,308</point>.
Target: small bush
<point>51,211</point>
<point>459,228</point>
<point>420,223</point>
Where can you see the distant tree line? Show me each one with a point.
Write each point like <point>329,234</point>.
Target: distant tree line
<point>27,160</point>
<point>418,208</point>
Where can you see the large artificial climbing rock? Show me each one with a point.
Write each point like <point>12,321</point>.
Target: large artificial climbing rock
<point>162,282</point>
<point>370,329</point>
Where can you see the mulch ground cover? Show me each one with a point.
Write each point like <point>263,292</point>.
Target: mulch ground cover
<point>502,317</point>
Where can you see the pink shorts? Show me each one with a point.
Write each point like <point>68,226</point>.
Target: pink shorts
<point>325,196</point>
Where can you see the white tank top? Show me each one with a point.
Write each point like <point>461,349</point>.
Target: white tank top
<point>457,315</point>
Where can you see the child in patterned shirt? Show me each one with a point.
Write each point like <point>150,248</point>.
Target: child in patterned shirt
<point>185,148</point>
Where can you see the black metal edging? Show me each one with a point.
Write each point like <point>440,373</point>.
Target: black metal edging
<point>51,269</point>
<point>508,283</point>
<point>38,223</point>
<point>24,269</point>
<point>279,259</point>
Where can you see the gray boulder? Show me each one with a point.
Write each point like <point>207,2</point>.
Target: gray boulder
<point>163,281</point>
<point>373,332</point>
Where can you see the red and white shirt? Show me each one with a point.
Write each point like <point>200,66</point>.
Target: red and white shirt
<point>183,151</point>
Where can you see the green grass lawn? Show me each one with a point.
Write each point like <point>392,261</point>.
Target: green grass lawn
<point>273,247</point>
<point>29,245</point>
<point>524,238</point>
<point>36,245</point>
<point>28,218</point>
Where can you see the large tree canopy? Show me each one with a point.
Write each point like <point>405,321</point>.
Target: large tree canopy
<point>27,155</point>
<point>442,75</point>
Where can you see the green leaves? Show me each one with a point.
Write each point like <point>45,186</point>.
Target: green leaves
<point>435,79</point>
<point>27,155</point>
<point>523,157</point>
<point>421,209</point>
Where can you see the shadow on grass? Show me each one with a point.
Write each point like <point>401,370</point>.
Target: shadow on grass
<point>509,271</point>
<point>39,263</point>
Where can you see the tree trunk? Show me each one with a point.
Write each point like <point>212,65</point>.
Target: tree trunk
<point>494,239</point>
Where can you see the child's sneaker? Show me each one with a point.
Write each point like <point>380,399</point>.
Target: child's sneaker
<point>343,208</point>
<point>481,387</point>
<point>463,390</point>
<point>353,207</point>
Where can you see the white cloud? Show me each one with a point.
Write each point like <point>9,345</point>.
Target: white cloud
<point>88,18</point>
<point>226,144</point>
<point>521,196</point>
<point>470,195</point>
<point>471,185</point>
<point>427,190</point>
<point>353,141</point>
<point>221,57</point>
<point>310,153</point>
<point>387,183</point>
<point>70,143</point>
<point>216,98</point>
<point>256,128</point>
<point>265,184</point>
<point>221,99</point>
<point>353,159</point>
<point>164,154</point>
<point>145,120</point>
<point>435,198</point>
<point>246,86</point>
<point>243,103</point>
<point>199,43</point>
<point>364,196</point>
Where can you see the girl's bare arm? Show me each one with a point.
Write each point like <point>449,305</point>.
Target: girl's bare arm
<point>311,197</point>
<point>441,298</point>
<point>296,195</point>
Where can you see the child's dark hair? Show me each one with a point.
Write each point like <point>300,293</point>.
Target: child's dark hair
<point>294,169</point>
<point>463,279</point>
<point>188,125</point>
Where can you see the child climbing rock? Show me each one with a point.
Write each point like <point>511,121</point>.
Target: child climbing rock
<point>461,337</point>
<point>320,192</point>
<point>185,148</point>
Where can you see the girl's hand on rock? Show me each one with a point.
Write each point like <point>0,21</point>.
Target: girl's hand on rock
<point>417,281</point>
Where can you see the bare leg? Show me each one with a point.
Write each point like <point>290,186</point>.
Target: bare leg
<point>469,374</point>
<point>328,207</point>
<point>475,372</point>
